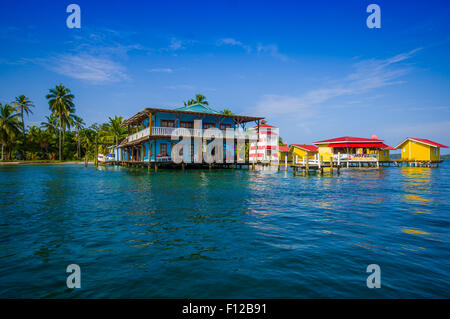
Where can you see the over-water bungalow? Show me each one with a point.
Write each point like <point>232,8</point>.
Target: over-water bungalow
<point>351,150</point>
<point>150,131</point>
<point>420,150</point>
<point>283,152</point>
<point>299,152</point>
<point>283,155</point>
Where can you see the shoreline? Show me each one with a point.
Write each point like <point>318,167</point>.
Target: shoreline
<point>43,163</point>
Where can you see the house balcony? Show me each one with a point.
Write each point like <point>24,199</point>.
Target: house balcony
<point>167,132</point>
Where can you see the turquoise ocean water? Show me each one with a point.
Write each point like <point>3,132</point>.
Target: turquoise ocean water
<point>223,233</point>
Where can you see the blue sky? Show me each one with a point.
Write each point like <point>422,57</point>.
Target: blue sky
<point>313,68</point>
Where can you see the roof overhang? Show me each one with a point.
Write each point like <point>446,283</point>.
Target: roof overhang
<point>304,148</point>
<point>378,144</point>
<point>139,117</point>
<point>418,141</point>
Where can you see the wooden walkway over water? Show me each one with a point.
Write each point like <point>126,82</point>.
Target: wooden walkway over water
<point>173,165</point>
<point>304,167</point>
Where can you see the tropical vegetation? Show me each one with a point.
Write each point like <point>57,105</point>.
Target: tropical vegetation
<point>62,135</point>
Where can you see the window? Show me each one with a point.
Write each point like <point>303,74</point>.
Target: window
<point>224,126</point>
<point>435,151</point>
<point>208,125</point>
<point>163,149</point>
<point>167,123</point>
<point>186,124</point>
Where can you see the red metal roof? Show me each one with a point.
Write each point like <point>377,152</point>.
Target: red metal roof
<point>348,139</point>
<point>425,141</point>
<point>306,147</point>
<point>389,148</point>
<point>283,148</point>
<point>358,145</point>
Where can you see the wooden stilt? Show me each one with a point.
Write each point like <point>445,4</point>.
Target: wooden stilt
<point>331,164</point>
<point>307,164</point>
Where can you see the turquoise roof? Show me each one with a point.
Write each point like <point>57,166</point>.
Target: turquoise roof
<point>201,108</point>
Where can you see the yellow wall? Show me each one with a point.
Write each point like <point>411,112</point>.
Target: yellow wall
<point>282,155</point>
<point>325,152</point>
<point>435,153</point>
<point>414,151</point>
<point>383,155</point>
<point>300,153</point>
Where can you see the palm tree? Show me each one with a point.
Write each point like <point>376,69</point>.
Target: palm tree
<point>227,112</point>
<point>50,124</point>
<point>115,128</point>
<point>39,139</point>
<point>88,137</point>
<point>44,140</point>
<point>9,125</point>
<point>23,104</point>
<point>78,125</point>
<point>60,102</point>
<point>199,99</point>
<point>189,102</point>
<point>65,123</point>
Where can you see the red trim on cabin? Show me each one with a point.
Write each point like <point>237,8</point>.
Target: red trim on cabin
<point>425,141</point>
<point>390,148</point>
<point>311,148</point>
<point>358,145</point>
<point>348,139</point>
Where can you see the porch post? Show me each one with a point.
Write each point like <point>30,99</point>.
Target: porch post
<point>285,160</point>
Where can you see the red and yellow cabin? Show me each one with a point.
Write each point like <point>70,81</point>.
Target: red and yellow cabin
<point>353,149</point>
<point>300,151</point>
<point>419,149</point>
<point>283,153</point>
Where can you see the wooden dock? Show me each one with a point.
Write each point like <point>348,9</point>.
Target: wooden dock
<point>304,166</point>
<point>401,163</point>
<point>172,165</point>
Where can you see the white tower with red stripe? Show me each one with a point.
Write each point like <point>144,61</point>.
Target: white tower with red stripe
<point>265,148</point>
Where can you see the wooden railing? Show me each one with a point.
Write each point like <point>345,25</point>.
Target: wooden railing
<point>167,131</point>
<point>355,157</point>
<point>337,158</point>
<point>142,133</point>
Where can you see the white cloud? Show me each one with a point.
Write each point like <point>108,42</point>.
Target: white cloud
<point>234,42</point>
<point>161,70</point>
<point>176,44</point>
<point>87,67</point>
<point>368,75</point>
<point>180,87</point>
<point>271,50</point>
<point>436,131</point>
<point>261,49</point>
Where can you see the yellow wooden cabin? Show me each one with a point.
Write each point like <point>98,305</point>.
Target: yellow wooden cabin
<point>283,153</point>
<point>300,151</point>
<point>354,149</point>
<point>419,149</point>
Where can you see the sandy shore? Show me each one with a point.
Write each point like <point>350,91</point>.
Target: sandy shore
<point>43,163</point>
